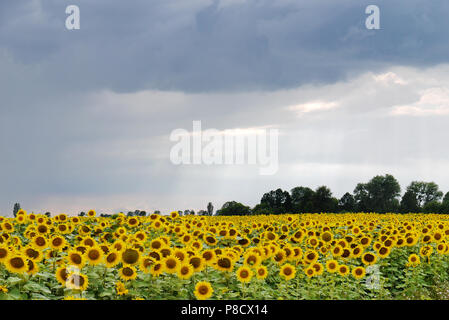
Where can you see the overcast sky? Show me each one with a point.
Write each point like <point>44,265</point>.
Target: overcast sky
<point>86,115</point>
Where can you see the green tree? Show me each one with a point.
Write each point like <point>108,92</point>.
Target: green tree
<point>425,192</point>
<point>409,203</point>
<point>262,208</point>
<point>378,195</point>
<point>347,203</point>
<point>16,209</point>
<point>278,200</point>
<point>210,209</point>
<point>302,199</point>
<point>233,208</point>
<point>432,207</point>
<point>323,200</point>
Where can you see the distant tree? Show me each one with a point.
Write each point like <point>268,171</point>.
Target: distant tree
<point>445,204</point>
<point>180,212</point>
<point>130,214</point>
<point>432,207</point>
<point>425,192</point>
<point>157,212</point>
<point>48,214</point>
<point>278,200</point>
<point>142,213</point>
<point>186,212</point>
<point>378,195</point>
<point>302,199</point>
<point>347,203</point>
<point>446,197</point>
<point>210,209</point>
<point>16,209</point>
<point>232,208</point>
<point>409,203</point>
<point>323,200</point>
<point>81,214</point>
<point>203,213</point>
<point>262,208</point>
<point>192,212</point>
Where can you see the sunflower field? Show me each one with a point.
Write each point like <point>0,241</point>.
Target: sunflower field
<point>293,256</point>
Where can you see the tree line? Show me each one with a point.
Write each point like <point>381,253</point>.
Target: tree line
<point>381,194</point>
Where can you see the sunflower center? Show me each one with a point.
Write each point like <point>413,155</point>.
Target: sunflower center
<point>128,271</point>
<point>94,254</point>
<point>76,258</point>
<point>17,263</point>
<point>203,290</point>
<point>130,256</point>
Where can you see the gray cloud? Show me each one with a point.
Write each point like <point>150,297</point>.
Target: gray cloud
<point>215,45</point>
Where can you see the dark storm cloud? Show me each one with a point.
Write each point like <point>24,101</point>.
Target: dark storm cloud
<point>219,45</point>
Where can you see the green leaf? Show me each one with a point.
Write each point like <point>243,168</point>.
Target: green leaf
<point>14,280</point>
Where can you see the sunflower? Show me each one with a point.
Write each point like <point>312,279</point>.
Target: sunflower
<point>343,270</point>
<point>57,242</point>
<point>121,289</point>
<point>442,248</point>
<point>210,240</point>
<point>146,263</point>
<point>32,254</point>
<point>369,258</point>
<point>94,255</point>
<point>310,272</point>
<point>157,269</point>
<point>171,264</point>
<point>318,268</point>
<point>43,229</point>
<point>118,245</point>
<point>311,256</point>
<point>414,260</point>
<point>39,242</point>
<point>77,281</point>
<point>337,251</point>
<point>358,272</point>
<point>128,273</point>
<point>261,272</point>
<point>91,213</point>
<point>112,259</point>
<point>185,271</point>
<point>197,263</point>
<point>4,252</point>
<point>224,263</point>
<point>62,273</point>
<point>203,290</point>
<point>132,222</point>
<point>244,274</point>
<point>7,227</point>
<point>180,254</point>
<point>331,266</point>
<point>156,244</point>
<point>209,256</point>
<point>252,259</point>
<point>426,251</point>
<point>33,267</point>
<point>16,263</point>
<point>287,271</point>
<point>75,258</point>
<point>88,242</point>
<point>279,257</point>
<point>326,236</point>
<point>3,289</point>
